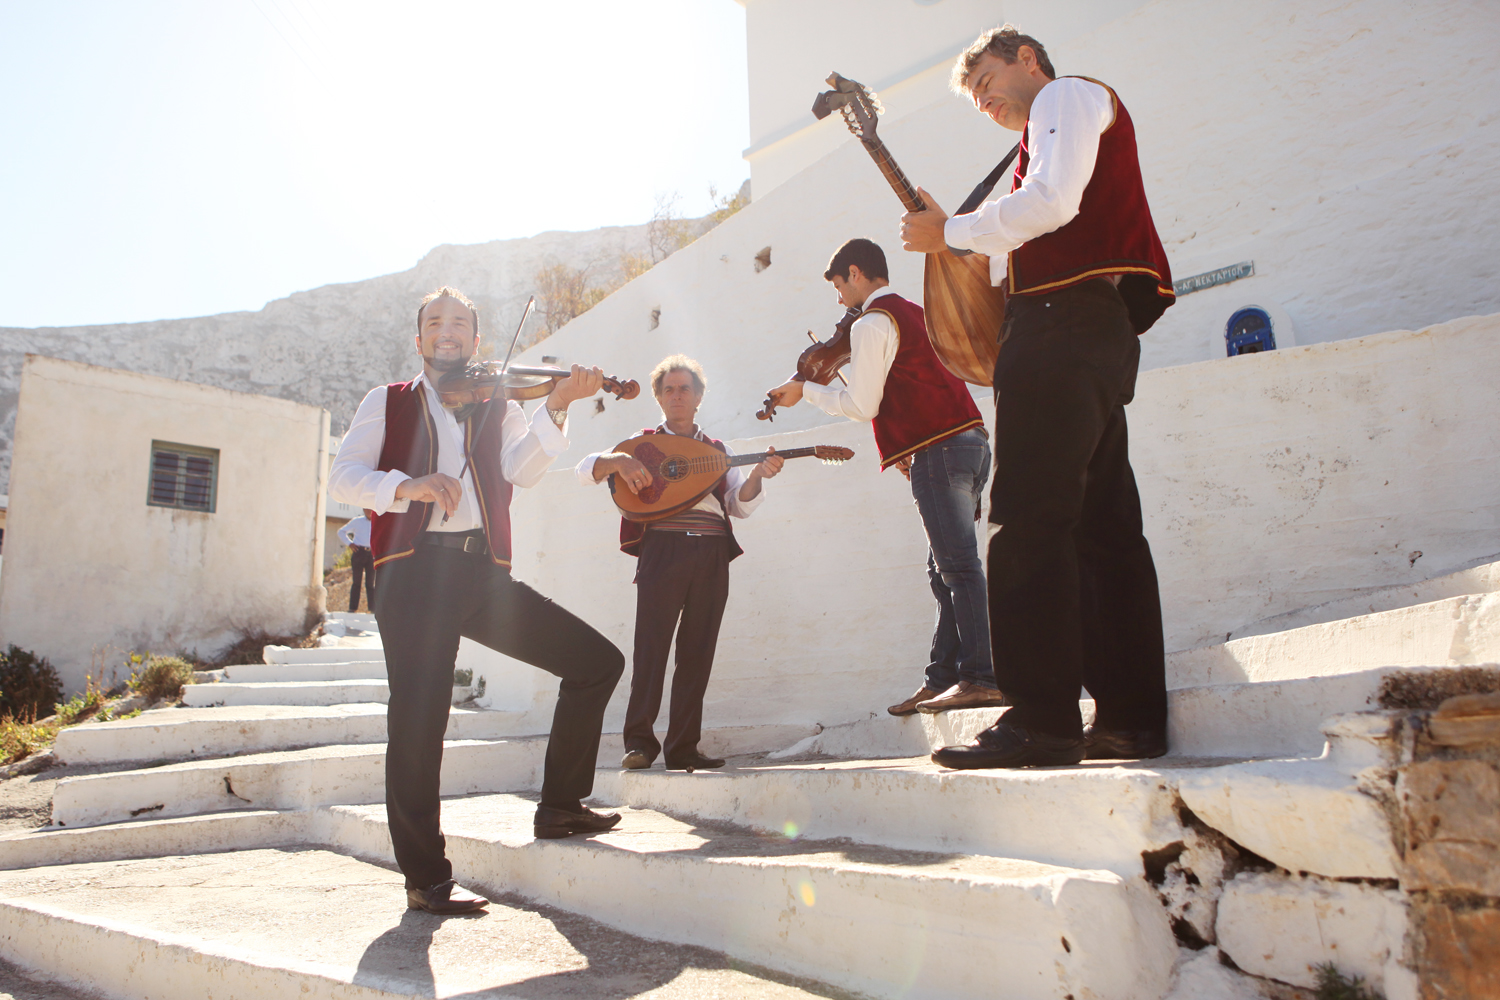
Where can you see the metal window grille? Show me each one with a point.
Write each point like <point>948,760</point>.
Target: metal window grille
<point>183,476</point>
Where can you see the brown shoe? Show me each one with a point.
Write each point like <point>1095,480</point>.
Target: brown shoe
<point>909,706</point>
<point>964,694</point>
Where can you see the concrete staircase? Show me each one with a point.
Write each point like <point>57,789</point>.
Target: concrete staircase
<point>843,855</point>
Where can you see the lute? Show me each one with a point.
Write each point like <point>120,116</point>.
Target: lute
<point>963,310</point>
<point>684,470</point>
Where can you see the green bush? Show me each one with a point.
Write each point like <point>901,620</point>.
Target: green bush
<point>1334,985</point>
<point>162,677</point>
<point>29,685</point>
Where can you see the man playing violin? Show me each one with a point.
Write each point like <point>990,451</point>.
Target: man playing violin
<point>442,545</point>
<point>682,575</point>
<point>1073,589</point>
<point>926,424</point>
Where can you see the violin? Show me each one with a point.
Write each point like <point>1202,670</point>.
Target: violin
<point>821,362</point>
<point>477,383</point>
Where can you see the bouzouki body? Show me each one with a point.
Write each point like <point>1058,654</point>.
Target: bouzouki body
<point>684,470</point>
<point>963,310</point>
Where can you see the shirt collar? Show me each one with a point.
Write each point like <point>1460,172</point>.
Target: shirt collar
<point>661,428</point>
<point>878,294</point>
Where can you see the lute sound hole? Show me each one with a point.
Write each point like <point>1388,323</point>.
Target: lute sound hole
<point>674,469</point>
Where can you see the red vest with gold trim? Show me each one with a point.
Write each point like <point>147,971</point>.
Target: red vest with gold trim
<point>923,401</point>
<point>409,437</point>
<point>1111,234</point>
<point>631,532</point>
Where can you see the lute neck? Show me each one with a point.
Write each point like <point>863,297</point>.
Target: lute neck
<point>904,188</point>
<point>756,459</point>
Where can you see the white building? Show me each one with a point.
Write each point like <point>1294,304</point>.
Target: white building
<point>153,515</point>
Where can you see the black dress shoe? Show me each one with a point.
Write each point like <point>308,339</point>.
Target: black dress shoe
<point>552,823</point>
<point>1123,744</point>
<point>694,762</point>
<point>1004,745</point>
<point>445,898</point>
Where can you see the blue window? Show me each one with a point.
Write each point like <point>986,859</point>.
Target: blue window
<point>1249,332</point>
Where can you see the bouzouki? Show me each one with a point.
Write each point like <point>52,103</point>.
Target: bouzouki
<point>964,311</point>
<point>684,470</point>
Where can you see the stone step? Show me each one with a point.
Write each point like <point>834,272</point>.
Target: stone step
<point>306,922</point>
<point>1265,719</point>
<point>1304,814</point>
<point>326,654</point>
<point>299,692</point>
<point>182,733</point>
<point>884,922</point>
<point>349,670</point>
<point>1482,577</point>
<point>148,838</point>
<point>1456,631</point>
<point>295,779</point>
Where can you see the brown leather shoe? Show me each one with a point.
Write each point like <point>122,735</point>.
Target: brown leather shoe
<point>909,706</point>
<point>964,694</point>
<point>445,898</point>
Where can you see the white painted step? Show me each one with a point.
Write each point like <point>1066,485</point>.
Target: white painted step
<point>885,923</point>
<point>295,779</point>
<point>326,654</point>
<point>349,670</point>
<point>150,838</point>
<point>303,922</point>
<point>1482,577</point>
<point>180,733</point>
<point>1456,631</point>
<point>1267,719</point>
<point>301,692</point>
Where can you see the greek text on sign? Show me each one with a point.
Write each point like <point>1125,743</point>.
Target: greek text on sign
<point>1223,276</point>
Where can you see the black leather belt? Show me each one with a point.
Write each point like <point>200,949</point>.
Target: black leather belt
<point>471,542</point>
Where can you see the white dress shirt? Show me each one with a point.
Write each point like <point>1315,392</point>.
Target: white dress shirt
<point>356,532</point>
<point>1062,139</point>
<point>526,452</point>
<point>736,478</point>
<point>873,342</point>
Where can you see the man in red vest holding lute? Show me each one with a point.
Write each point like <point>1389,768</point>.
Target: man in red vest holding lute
<point>1072,587</point>
<point>682,577</point>
<point>926,425</point>
<point>443,577</point>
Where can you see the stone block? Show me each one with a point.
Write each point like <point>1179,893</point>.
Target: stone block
<point>1469,721</point>
<point>1283,926</point>
<point>1452,826</point>
<point>1304,815</point>
<point>1458,951</point>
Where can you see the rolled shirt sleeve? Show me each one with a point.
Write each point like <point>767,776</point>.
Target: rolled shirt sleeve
<point>530,446</point>
<point>1062,140</point>
<point>734,506</point>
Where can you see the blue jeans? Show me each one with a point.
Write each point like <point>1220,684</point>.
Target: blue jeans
<point>947,481</point>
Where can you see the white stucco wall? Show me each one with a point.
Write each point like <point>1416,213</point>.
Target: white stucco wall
<point>1269,483</point>
<point>92,572</point>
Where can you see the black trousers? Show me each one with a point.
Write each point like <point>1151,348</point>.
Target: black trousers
<point>681,577</point>
<point>427,601</point>
<point>1072,586</point>
<point>362,565</point>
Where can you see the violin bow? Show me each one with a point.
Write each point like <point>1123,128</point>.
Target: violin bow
<point>484,410</point>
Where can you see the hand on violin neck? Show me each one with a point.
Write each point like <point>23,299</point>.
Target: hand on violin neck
<point>788,393</point>
<point>923,231</point>
<point>580,384</point>
<point>445,491</point>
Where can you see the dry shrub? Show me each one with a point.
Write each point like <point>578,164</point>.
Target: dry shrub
<point>162,677</point>
<point>29,685</point>
<point>250,646</point>
<point>20,738</point>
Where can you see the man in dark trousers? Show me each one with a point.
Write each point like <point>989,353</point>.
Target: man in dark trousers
<point>356,535</point>
<point>682,579</point>
<point>442,543</point>
<point>926,425</point>
<point>1072,586</point>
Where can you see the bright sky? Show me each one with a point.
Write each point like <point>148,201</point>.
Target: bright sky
<point>163,159</point>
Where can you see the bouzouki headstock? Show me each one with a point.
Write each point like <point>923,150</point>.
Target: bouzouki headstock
<point>856,102</point>
<point>832,454</point>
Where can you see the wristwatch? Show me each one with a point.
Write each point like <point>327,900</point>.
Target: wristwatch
<point>559,417</point>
